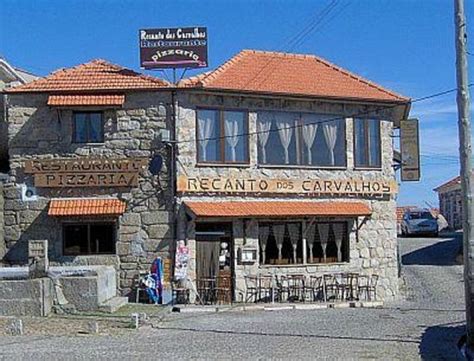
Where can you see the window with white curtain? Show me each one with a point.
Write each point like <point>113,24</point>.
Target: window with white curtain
<point>281,242</point>
<point>367,143</point>
<point>289,138</point>
<point>222,136</point>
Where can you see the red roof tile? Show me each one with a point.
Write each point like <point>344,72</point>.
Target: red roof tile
<point>86,207</point>
<point>97,75</point>
<point>277,209</point>
<point>307,75</point>
<point>85,100</point>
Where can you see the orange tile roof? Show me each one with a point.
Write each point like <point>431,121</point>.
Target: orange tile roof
<point>86,207</point>
<point>448,184</point>
<point>96,75</point>
<point>298,74</point>
<point>85,100</point>
<point>277,209</point>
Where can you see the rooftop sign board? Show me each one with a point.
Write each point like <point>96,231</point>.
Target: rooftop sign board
<point>173,48</point>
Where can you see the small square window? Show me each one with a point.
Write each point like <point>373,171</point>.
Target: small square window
<point>89,238</point>
<point>88,127</point>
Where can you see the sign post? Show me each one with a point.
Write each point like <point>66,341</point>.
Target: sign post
<point>410,149</point>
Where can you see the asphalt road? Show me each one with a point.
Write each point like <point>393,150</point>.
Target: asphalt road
<point>426,325</point>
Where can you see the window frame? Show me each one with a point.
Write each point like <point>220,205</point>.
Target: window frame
<point>366,150</point>
<point>306,261</point>
<point>74,127</point>
<point>222,161</point>
<point>89,223</point>
<point>299,129</point>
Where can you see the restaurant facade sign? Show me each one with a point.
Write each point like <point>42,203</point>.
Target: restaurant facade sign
<point>85,172</point>
<point>286,186</point>
<point>173,48</point>
<point>410,150</point>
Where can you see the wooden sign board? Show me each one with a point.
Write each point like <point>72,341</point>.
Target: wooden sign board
<point>285,186</point>
<point>410,150</point>
<point>84,172</point>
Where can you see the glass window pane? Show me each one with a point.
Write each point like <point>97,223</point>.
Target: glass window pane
<point>75,239</point>
<point>374,142</point>
<point>96,129</point>
<point>208,136</point>
<point>281,146</point>
<point>102,238</point>
<point>80,127</point>
<point>360,143</point>
<point>235,140</point>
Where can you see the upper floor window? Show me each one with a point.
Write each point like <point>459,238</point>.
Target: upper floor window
<point>286,138</point>
<point>367,143</point>
<point>222,136</point>
<point>88,127</point>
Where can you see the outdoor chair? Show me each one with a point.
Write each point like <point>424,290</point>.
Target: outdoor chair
<point>368,286</point>
<point>266,288</point>
<point>296,286</point>
<point>283,288</point>
<point>251,288</point>
<point>314,288</point>
<point>223,289</point>
<point>179,293</point>
<point>330,287</point>
<point>138,286</point>
<point>206,288</point>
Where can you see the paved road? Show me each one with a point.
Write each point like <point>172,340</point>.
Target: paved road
<point>426,325</point>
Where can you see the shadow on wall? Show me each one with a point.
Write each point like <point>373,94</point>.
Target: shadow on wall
<point>438,254</point>
<point>441,342</point>
<point>43,227</point>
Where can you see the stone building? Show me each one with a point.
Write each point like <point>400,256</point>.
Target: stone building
<point>80,141</point>
<point>10,76</point>
<point>450,202</point>
<point>284,165</point>
<point>288,161</point>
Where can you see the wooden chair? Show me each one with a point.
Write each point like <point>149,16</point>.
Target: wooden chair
<point>223,288</point>
<point>330,287</point>
<point>138,286</point>
<point>296,285</point>
<point>369,287</point>
<point>314,289</point>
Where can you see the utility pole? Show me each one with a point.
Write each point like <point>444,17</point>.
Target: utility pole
<point>465,157</point>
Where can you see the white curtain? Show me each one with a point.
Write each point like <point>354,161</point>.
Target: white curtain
<point>337,229</point>
<point>263,233</point>
<point>279,234</point>
<point>309,133</point>
<point>294,231</point>
<point>323,229</point>
<point>263,129</point>
<point>206,127</point>
<point>231,125</point>
<point>285,131</point>
<point>310,232</point>
<point>330,134</point>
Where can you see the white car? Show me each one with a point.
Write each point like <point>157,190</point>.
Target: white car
<point>419,221</point>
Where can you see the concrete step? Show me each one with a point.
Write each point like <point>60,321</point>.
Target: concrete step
<point>113,304</point>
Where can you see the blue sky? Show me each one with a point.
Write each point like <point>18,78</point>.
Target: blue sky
<point>407,46</point>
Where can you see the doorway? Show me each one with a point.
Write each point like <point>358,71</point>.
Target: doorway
<point>214,262</point>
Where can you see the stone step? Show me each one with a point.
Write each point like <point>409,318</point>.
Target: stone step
<point>113,304</point>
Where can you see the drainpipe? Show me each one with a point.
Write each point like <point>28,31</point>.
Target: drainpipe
<point>173,180</point>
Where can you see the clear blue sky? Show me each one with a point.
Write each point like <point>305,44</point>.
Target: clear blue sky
<point>407,46</point>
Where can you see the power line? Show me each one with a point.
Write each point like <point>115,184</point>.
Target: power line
<point>356,115</point>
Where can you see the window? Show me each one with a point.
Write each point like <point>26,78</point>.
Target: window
<point>222,136</point>
<point>301,139</point>
<point>367,143</point>
<point>88,238</point>
<point>281,243</point>
<point>88,127</point>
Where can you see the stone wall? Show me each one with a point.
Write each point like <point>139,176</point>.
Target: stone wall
<point>3,135</point>
<point>2,225</point>
<point>144,231</point>
<point>373,248</point>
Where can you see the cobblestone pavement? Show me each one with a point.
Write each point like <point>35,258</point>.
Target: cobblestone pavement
<point>426,325</point>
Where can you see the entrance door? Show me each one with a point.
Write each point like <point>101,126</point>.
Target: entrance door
<point>214,261</point>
